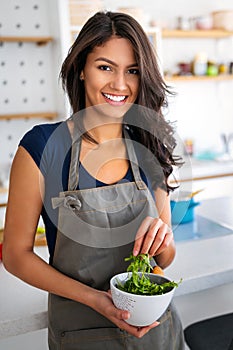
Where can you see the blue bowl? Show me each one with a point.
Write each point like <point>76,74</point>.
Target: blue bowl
<point>183,211</point>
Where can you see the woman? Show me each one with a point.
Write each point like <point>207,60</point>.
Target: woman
<point>100,182</point>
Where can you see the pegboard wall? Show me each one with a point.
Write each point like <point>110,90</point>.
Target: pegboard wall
<point>28,80</point>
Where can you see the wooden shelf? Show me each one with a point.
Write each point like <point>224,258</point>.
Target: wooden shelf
<point>45,115</point>
<point>213,33</point>
<point>199,78</point>
<point>40,40</point>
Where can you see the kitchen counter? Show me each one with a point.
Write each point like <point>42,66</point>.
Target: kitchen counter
<point>202,264</point>
<point>202,261</point>
<point>204,247</point>
<point>203,169</point>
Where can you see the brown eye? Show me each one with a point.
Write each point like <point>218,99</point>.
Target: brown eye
<point>104,67</point>
<point>134,71</point>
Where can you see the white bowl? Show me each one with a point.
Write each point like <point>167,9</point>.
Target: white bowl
<point>144,309</point>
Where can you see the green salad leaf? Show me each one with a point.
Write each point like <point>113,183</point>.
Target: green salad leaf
<point>140,283</point>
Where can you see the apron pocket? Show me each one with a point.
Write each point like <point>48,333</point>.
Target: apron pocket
<point>158,338</point>
<point>93,339</point>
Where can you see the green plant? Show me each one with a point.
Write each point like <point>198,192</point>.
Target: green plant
<point>140,283</point>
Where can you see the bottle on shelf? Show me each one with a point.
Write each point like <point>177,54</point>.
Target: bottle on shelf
<point>200,64</point>
<point>188,147</point>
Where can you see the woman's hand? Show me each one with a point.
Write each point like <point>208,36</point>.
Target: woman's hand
<point>153,237</point>
<point>105,307</point>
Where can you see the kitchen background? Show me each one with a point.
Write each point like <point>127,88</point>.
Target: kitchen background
<point>202,109</point>
<point>35,36</point>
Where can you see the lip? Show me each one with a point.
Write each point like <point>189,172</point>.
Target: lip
<point>114,103</point>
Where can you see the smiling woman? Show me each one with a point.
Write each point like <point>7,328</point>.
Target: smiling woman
<point>100,182</point>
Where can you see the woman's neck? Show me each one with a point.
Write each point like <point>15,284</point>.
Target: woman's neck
<point>103,130</point>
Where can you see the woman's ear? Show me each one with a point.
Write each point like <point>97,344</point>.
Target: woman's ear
<point>81,77</point>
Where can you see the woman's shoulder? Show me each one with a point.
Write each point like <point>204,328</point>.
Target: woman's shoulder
<point>39,135</point>
<point>42,130</point>
<point>36,139</point>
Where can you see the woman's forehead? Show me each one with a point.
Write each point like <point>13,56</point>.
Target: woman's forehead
<point>117,47</point>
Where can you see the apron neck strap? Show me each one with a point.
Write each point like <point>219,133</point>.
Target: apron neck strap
<point>133,160</point>
<point>75,153</point>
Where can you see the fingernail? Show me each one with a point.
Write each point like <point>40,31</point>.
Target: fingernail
<point>126,316</point>
<point>135,252</point>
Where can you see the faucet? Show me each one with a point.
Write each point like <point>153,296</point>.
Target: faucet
<point>226,142</point>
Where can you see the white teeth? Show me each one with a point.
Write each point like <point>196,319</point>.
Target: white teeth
<point>115,98</point>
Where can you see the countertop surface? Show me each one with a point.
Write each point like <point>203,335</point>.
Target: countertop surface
<point>195,168</point>
<point>203,260</point>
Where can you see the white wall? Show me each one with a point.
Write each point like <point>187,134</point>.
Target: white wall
<point>28,72</point>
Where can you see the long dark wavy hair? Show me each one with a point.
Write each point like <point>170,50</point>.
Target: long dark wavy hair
<point>149,128</point>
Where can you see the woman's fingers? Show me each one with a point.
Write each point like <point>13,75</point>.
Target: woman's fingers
<point>141,235</point>
<point>138,332</point>
<point>166,242</point>
<point>153,237</point>
<point>163,238</point>
<point>121,314</point>
<point>118,316</point>
<point>113,311</point>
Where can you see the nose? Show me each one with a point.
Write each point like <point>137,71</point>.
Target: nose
<point>119,81</point>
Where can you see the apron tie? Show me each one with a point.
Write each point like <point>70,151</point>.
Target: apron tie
<point>69,202</point>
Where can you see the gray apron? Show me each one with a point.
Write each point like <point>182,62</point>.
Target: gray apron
<point>96,231</point>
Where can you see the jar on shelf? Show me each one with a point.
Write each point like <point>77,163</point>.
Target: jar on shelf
<point>200,64</point>
<point>185,68</point>
<point>231,68</point>
<point>204,22</point>
<point>212,69</point>
<point>183,23</point>
<point>223,68</point>
<point>188,147</point>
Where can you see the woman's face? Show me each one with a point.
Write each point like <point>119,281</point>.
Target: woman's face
<point>111,77</point>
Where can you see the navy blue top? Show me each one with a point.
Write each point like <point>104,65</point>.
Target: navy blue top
<point>50,147</point>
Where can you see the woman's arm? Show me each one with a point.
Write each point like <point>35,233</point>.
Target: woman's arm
<point>155,235</point>
<point>23,212</point>
<point>22,215</point>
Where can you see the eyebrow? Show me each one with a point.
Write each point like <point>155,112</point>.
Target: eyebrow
<point>113,63</point>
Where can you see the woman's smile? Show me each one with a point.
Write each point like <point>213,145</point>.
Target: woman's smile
<point>115,100</point>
